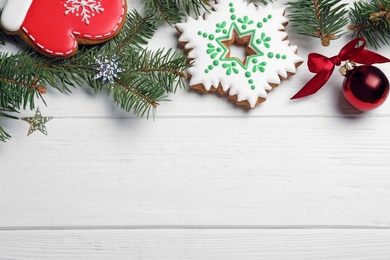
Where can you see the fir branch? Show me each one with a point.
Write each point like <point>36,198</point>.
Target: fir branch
<point>172,11</point>
<point>263,2</point>
<point>194,6</point>
<point>137,93</point>
<point>371,21</point>
<point>324,19</point>
<point>60,75</point>
<point>163,10</point>
<point>136,32</point>
<point>147,78</point>
<point>80,68</point>
<point>73,72</point>
<point>166,68</point>
<point>4,113</point>
<point>34,85</point>
<point>19,81</point>
<point>4,136</point>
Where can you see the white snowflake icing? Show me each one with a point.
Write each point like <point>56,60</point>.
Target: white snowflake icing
<point>84,8</point>
<point>249,81</point>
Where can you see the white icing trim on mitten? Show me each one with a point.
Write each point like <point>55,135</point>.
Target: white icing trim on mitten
<point>14,13</point>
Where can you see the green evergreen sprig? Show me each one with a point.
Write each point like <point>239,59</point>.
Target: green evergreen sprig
<point>172,11</point>
<point>19,81</point>
<point>371,20</point>
<point>263,2</point>
<point>4,136</point>
<point>324,19</point>
<point>147,78</point>
<point>193,6</point>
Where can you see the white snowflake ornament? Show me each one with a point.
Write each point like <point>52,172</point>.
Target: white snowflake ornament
<point>269,56</point>
<point>108,69</point>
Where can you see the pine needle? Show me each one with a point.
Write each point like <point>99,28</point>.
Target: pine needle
<point>371,21</point>
<point>324,19</point>
<point>172,11</point>
<point>146,80</point>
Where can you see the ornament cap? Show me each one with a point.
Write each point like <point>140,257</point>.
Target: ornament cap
<point>347,68</point>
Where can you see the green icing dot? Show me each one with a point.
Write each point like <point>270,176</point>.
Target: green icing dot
<point>254,61</point>
<point>259,24</point>
<point>216,63</point>
<point>265,20</point>
<point>211,37</point>
<point>210,67</point>
<point>253,87</point>
<point>205,35</point>
<point>219,49</point>
<point>232,10</point>
<point>247,74</point>
<point>258,41</point>
<point>284,57</point>
<point>224,31</point>
<point>269,16</point>
<point>244,26</point>
<point>278,56</point>
<point>199,33</point>
<point>233,17</point>
<point>206,71</point>
<point>250,81</point>
<point>231,4</point>
<point>234,63</point>
<point>270,55</point>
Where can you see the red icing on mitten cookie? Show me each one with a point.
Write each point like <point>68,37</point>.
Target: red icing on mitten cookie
<point>55,27</point>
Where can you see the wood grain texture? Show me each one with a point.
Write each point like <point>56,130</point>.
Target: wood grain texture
<point>196,244</point>
<point>105,185</point>
<point>199,171</point>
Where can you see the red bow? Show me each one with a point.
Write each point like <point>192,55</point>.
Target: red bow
<point>324,66</point>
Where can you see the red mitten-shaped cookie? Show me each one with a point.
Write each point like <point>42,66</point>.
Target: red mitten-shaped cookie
<point>55,27</point>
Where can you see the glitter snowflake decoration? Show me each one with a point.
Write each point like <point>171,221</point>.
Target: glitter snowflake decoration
<point>108,69</point>
<point>269,56</point>
<point>84,8</point>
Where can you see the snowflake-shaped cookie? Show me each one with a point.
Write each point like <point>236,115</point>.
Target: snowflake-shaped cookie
<point>269,56</point>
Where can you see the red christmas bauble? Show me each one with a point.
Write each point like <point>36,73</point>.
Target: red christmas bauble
<point>366,87</point>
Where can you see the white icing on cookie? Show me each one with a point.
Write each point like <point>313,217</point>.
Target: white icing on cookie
<point>84,9</point>
<point>273,56</point>
<point>14,14</point>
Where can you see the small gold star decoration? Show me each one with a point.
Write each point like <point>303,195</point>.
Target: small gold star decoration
<point>37,122</point>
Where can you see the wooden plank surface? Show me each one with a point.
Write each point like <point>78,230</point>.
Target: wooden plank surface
<point>194,171</point>
<point>306,179</point>
<point>196,244</point>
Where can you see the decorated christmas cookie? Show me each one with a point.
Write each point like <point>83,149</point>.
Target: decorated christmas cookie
<point>269,56</point>
<point>55,27</point>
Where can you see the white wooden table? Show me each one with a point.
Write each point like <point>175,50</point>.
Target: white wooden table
<point>305,179</point>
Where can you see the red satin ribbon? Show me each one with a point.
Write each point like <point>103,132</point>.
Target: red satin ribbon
<point>324,66</point>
